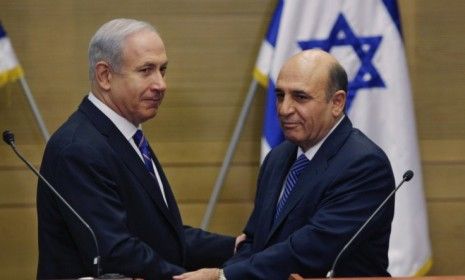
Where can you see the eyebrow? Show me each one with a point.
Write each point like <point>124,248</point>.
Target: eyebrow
<point>151,64</point>
<point>300,91</point>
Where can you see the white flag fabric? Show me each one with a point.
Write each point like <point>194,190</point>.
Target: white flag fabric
<point>10,70</point>
<point>365,36</point>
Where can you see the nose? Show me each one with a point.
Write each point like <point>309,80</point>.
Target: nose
<point>285,106</point>
<point>158,82</point>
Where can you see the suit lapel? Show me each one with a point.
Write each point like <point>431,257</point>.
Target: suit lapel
<point>308,178</point>
<point>170,199</point>
<point>134,163</point>
<point>131,159</point>
<point>313,173</point>
<point>278,175</point>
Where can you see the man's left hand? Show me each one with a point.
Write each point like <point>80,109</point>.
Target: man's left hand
<point>239,239</point>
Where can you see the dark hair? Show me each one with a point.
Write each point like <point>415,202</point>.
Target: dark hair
<point>337,80</point>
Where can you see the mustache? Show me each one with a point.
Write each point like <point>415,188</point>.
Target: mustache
<point>155,97</point>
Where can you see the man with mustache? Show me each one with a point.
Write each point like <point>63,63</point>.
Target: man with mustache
<point>317,188</point>
<point>101,163</point>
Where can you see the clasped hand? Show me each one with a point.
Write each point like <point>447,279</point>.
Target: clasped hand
<point>207,273</point>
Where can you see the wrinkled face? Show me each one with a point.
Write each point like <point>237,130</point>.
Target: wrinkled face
<point>137,89</point>
<point>306,116</point>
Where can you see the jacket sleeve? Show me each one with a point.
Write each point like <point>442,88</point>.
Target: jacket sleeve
<point>205,249</point>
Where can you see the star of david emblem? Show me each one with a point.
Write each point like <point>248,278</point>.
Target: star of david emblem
<point>365,48</point>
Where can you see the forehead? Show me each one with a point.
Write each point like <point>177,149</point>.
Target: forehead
<point>302,76</point>
<point>144,46</point>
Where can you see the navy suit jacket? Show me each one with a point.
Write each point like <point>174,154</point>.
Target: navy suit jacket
<point>99,173</point>
<point>343,184</point>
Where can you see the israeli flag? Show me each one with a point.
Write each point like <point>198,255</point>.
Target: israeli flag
<point>365,36</point>
<point>10,70</point>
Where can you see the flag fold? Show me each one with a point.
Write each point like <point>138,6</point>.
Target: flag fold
<point>10,70</point>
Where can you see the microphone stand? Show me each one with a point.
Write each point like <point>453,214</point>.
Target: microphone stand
<point>8,137</point>
<point>405,178</point>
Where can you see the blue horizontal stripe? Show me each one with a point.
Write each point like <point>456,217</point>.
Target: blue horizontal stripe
<point>273,29</point>
<point>391,6</point>
<point>2,31</point>
<point>271,129</point>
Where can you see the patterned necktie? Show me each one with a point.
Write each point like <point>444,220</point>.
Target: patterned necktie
<point>143,146</point>
<point>291,181</point>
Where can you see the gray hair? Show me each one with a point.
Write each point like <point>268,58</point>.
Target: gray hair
<point>107,42</point>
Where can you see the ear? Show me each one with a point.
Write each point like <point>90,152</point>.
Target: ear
<point>103,75</point>
<point>338,101</point>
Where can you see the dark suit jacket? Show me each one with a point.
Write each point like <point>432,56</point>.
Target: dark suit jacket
<point>98,172</point>
<point>344,183</point>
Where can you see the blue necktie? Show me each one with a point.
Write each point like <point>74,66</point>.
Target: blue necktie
<point>291,181</point>
<point>143,146</point>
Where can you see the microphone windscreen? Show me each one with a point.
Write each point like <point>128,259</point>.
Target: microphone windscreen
<point>8,137</point>
<point>408,175</point>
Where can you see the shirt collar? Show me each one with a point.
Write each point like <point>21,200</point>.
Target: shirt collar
<point>310,153</point>
<point>124,126</point>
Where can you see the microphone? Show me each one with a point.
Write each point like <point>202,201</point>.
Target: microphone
<point>9,138</point>
<point>408,175</point>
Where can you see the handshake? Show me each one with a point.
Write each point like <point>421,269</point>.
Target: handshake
<point>209,273</point>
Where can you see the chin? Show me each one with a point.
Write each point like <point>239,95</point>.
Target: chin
<point>147,117</point>
<point>151,112</point>
<point>292,138</point>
